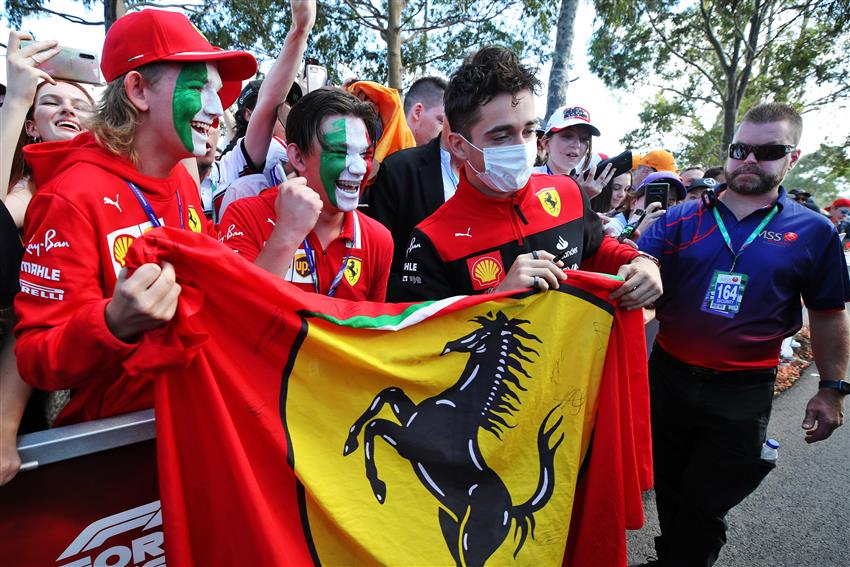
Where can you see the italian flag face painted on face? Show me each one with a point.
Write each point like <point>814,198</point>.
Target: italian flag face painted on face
<point>345,161</point>
<point>195,105</point>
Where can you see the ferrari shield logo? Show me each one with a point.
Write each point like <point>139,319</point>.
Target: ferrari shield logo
<point>466,456</point>
<point>194,220</point>
<point>353,267</point>
<point>550,200</point>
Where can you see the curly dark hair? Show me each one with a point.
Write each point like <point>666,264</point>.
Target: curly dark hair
<point>483,75</point>
<point>305,118</point>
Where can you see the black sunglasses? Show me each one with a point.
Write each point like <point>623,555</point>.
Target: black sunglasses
<point>767,152</point>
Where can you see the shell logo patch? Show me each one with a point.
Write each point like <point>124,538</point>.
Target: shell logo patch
<point>118,242</point>
<point>353,268</point>
<point>550,200</point>
<point>120,247</point>
<point>194,220</point>
<point>486,270</point>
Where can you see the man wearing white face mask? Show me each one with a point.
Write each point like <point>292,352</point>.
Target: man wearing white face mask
<point>505,228</point>
<point>307,229</point>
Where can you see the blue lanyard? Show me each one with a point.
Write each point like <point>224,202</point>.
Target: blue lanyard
<point>314,274</point>
<point>728,240</point>
<point>146,206</point>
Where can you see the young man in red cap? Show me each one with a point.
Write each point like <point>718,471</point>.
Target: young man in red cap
<point>307,230</point>
<point>81,314</point>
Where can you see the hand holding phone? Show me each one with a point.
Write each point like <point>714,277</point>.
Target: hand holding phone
<point>23,76</point>
<point>70,64</point>
<point>656,193</point>
<point>622,164</point>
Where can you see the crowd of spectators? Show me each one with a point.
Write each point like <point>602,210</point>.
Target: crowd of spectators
<point>358,192</point>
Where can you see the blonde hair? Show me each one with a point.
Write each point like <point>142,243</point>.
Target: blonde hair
<point>115,118</point>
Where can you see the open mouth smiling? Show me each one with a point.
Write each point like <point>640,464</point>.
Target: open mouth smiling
<point>68,125</point>
<point>348,186</point>
<point>202,128</point>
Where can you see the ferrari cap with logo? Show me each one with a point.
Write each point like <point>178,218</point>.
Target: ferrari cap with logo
<point>148,36</point>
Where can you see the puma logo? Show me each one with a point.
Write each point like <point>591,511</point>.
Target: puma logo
<point>108,201</point>
<point>270,221</point>
<point>468,233</point>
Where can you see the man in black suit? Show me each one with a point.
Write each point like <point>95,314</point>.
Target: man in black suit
<point>410,185</point>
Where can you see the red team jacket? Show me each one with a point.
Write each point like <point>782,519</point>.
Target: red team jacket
<point>470,243</point>
<point>78,229</point>
<point>363,251</point>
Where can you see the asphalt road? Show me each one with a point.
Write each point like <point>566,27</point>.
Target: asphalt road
<point>800,515</point>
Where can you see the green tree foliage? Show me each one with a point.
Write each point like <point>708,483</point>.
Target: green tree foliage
<point>712,59</point>
<point>433,35</point>
<point>825,173</point>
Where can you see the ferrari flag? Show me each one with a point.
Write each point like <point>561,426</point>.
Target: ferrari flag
<point>295,429</point>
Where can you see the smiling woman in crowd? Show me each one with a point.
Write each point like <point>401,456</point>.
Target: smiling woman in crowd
<point>36,108</point>
<point>50,111</point>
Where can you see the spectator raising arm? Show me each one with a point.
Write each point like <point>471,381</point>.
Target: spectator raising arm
<point>22,78</point>
<point>279,80</point>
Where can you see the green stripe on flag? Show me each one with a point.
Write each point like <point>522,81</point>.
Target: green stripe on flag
<point>409,317</point>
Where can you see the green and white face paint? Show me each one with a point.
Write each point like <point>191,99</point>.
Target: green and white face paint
<point>345,160</point>
<point>195,105</point>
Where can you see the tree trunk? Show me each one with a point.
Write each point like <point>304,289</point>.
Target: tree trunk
<point>394,69</point>
<point>112,10</point>
<point>730,114</point>
<point>561,57</point>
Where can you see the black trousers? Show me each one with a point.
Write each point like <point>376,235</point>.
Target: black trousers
<point>708,428</point>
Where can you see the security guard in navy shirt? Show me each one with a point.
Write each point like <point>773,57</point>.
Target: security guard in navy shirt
<point>734,266</point>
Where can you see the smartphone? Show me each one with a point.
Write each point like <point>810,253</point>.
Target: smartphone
<point>630,228</point>
<point>72,64</point>
<point>622,164</point>
<point>656,193</point>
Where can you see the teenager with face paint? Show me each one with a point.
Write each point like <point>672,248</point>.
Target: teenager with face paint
<point>307,230</point>
<point>81,314</point>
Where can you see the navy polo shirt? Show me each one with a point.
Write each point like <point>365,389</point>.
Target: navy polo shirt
<point>797,254</point>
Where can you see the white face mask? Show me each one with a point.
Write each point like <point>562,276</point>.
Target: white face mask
<point>506,168</point>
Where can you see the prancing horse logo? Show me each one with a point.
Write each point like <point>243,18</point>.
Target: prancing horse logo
<point>476,509</point>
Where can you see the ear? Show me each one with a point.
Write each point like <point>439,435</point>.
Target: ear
<point>247,114</point>
<point>296,159</point>
<point>136,88</point>
<point>32,129</point>
<point>795,157</point>
<point>416,112</point>
<point>457,146</point>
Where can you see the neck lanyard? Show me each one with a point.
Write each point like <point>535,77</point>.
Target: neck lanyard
<point>749,239</point>
<point>146,206</point>
<point>314,274</point>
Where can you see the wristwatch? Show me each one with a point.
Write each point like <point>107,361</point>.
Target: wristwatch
<point>842,386</point>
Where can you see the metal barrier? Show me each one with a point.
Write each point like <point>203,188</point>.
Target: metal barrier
<point>89,496</point>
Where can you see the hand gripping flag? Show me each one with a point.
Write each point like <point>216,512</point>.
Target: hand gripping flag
<point>296,429</point>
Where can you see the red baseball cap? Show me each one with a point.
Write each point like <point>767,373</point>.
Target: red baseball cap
<point>148,36</point>
<point>839,203</point>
